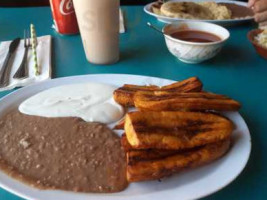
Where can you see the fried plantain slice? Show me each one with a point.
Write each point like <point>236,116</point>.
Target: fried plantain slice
<point>127,147</point>
<point>143,168</point>
<point>119,125</point>
<point>192,84</point>
<point>145,152</point>
<point>125,144</point>
<point>125,95</point>
<point>175,130</point>
<point>192,101</point>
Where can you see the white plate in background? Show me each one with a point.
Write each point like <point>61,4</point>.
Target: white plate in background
<point>227,22</point>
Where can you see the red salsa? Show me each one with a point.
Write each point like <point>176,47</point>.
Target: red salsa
<point>195,36</point>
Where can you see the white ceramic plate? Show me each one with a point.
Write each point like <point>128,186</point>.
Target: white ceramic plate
<point>165,19</point>
<point>191,184</point>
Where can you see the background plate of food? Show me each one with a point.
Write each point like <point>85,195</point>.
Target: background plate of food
<point>196,172</point>
<point>219,12</point>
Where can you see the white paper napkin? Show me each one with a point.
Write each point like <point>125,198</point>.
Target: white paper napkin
<point>44,62</point>
<point>122,26</point>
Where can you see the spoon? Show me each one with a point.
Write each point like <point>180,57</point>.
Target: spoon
<point>155,28</point>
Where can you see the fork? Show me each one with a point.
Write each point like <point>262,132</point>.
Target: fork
<point>23,71</point>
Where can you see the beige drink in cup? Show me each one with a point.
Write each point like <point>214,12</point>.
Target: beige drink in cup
<point>99,27</point>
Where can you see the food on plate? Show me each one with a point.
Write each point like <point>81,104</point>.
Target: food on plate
<point>125,144</point>
<point>175,130</point>
<point>125,95</point>
<point>207,10</point>
<point>218,11</point>
<point>192,84</point>
<point>57,142</point>
<point>62,153</point>
<point>258,38</point>
<point>170,101</point>
<point>155,7</point>
<point>160,141</point>
<point>140,168</point>
<point>151,164</point>
<point>186,10</point>
<point>119,125</point>
<point>92,102</point>
<point>148,153</point>
<point>261,38</point>
<point>192,10</point>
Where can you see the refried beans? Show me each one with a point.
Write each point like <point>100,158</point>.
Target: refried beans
<point>61,153</point>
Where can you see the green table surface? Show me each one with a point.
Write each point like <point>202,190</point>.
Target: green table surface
<point>237,71</point>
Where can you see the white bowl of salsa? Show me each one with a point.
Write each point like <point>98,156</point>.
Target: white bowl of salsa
<point>195,42</point>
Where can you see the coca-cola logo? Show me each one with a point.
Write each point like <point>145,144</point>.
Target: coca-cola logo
<point>66,7</point>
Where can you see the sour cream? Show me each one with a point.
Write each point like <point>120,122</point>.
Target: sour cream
<point>92,102</point>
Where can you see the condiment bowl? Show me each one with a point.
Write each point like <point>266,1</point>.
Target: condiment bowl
<point>259,49</point>
<point>194,52</point>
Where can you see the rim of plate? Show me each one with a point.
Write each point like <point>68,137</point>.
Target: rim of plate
<point>19,192</point>
<point>147,9</point>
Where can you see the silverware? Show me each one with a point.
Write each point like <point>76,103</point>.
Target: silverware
<point>23,71</point>
<point>5,70</point>
<point>156,29</point>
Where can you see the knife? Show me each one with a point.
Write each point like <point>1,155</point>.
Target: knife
<point>5,72</point>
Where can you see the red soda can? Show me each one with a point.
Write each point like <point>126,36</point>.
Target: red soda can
<point>64,17</point>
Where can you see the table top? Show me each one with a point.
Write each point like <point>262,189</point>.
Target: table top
<point>237,71</point>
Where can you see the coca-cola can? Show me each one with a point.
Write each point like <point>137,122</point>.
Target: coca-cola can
<point>65,21</point>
